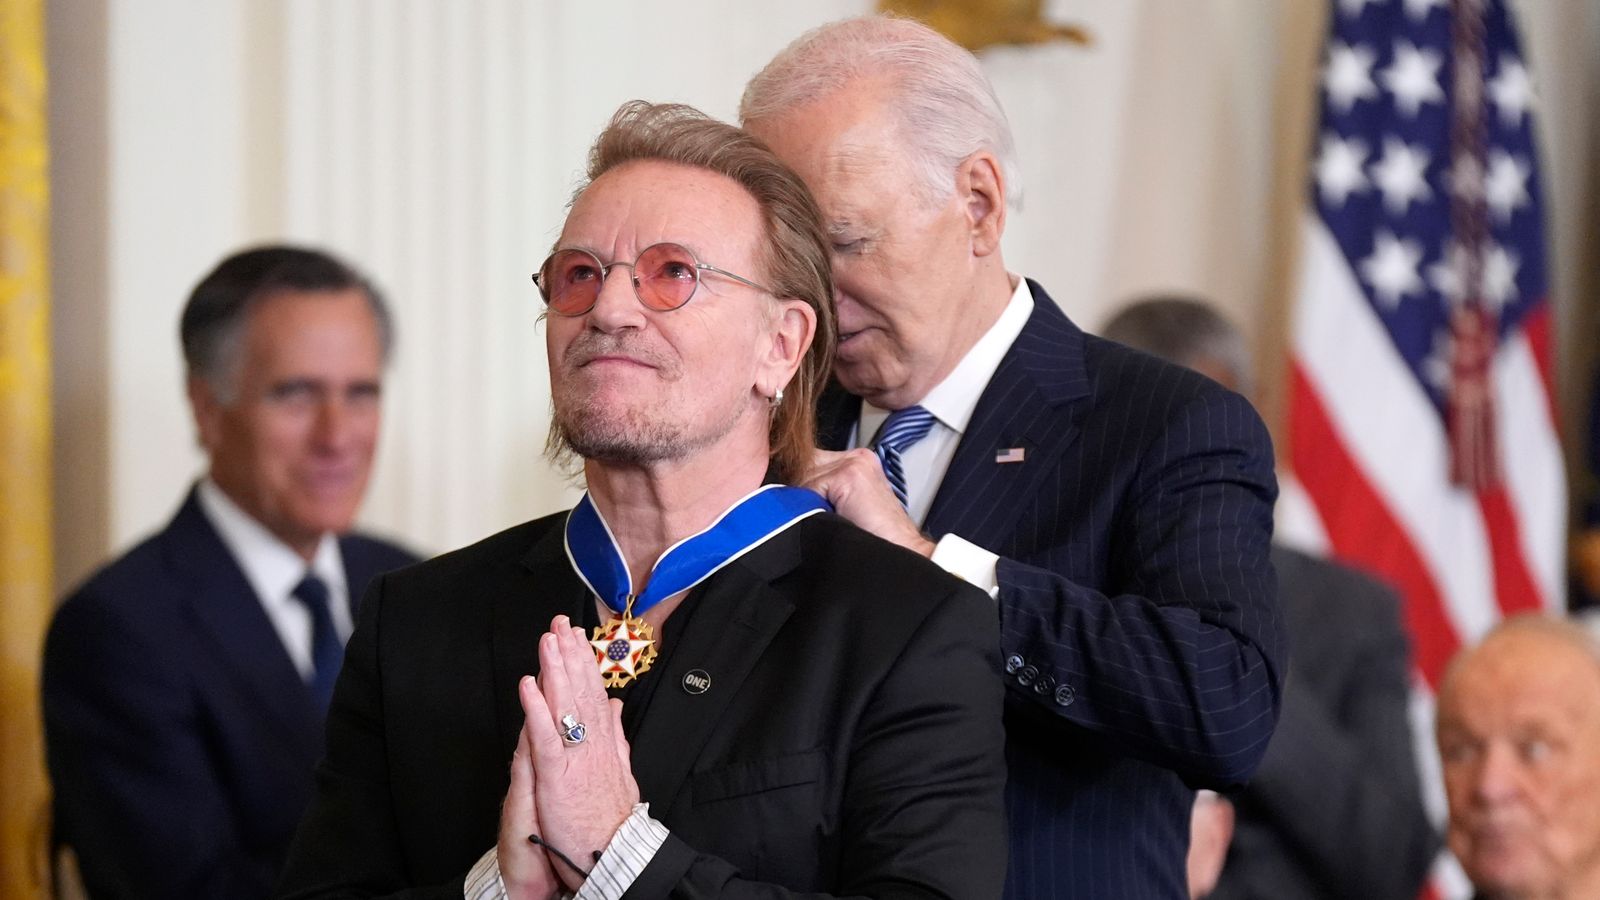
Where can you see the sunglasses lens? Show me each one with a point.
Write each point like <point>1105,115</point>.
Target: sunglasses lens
<point>571,281</point>
<point>667,275</point>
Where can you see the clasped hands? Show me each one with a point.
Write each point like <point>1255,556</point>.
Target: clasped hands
<point>573,795</point>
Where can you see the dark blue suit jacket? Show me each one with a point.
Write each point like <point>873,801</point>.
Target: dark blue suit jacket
<point>1139,626</point>
<point>181,738</point>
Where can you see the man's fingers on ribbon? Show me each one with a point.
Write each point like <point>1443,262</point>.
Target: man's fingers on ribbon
<point>824,459</point>
<point>853,481</point>
<point>840,475</point>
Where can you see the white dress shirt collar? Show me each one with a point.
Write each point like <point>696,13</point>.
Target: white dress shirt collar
<point>952,403</point>
<point>274,569</point>
<point>953,400</point>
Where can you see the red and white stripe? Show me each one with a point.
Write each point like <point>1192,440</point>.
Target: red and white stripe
<point>1371,454</point>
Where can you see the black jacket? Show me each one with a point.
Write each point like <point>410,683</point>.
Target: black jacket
<point>850,741</point>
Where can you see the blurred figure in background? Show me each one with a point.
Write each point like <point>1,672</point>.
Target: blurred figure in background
<point>1585,549</point>
<point>1519,739</point>
<point>1335,809</point>
<point>185,684</point>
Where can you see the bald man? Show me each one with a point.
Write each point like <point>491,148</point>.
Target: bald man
<point>1519,735</point>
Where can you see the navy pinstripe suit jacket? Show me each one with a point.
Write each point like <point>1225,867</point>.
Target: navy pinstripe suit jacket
<point>1139,623</point>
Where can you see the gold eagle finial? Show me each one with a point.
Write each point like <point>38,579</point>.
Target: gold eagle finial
<point>979,24</point>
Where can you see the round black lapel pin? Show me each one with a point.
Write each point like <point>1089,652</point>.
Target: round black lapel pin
<point>696,681</point>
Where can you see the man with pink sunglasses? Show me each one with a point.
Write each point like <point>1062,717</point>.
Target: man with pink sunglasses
<point>706,684</point>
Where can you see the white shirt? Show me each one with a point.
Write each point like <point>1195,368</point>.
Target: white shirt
<point>273,570</point>
<point>952,402</point>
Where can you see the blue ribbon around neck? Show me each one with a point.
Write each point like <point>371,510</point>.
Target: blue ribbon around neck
<point>595,556</point>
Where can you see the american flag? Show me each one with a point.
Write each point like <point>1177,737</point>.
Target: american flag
<point>1421,427</point>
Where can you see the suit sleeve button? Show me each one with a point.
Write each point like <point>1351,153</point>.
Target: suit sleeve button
<point>1065,695</point>
<point>1027,675</point>
<point>1044,685</point>
<point>1013,663</point>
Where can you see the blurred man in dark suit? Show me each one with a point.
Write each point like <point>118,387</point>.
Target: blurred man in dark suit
<point>1118,508</point>
<point>1335,809</point>
<point>185,683</point>
<point>1519,739</point>
<point>1584,549</point>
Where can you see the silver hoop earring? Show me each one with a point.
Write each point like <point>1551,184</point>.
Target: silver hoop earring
<point>777,398</point>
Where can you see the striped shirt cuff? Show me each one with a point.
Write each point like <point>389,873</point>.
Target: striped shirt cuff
<point>630,850</point>
<point>968,562</point>
<point>625,858</point>
<point>483,879</point>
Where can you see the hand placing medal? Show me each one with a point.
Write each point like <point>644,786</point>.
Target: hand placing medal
<point>571,783</point>
<point>853,481</point>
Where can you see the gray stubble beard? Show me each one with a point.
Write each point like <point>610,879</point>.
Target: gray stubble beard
<point>577,435</point>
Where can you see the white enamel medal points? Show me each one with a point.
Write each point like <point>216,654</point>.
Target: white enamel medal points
<point>624,647</point>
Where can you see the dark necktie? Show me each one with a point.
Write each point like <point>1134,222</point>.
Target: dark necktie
<point>327,651</point>
<point>903,428</point>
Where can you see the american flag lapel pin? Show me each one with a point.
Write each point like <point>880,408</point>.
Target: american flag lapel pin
<point>1010,455</point>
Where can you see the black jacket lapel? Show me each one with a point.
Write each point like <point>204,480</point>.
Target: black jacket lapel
<point>227,610</point>
<point>737,614</point>
<point>1028,405</point>
<point>540,587</point>
<point>364,560</point>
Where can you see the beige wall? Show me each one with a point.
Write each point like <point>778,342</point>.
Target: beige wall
<point>435,143</point>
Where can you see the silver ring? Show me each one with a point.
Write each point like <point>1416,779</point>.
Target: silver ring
<point>572,731</point>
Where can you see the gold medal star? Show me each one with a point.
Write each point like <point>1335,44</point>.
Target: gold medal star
<point>624,647</point>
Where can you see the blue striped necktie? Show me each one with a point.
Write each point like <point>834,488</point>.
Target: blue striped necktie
<point>327,651</point>
<point>903,428</point>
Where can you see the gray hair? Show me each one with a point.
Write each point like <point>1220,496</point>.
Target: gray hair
<point>947,108</point>
<point>1182,330</point>
<point>213,323</point>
